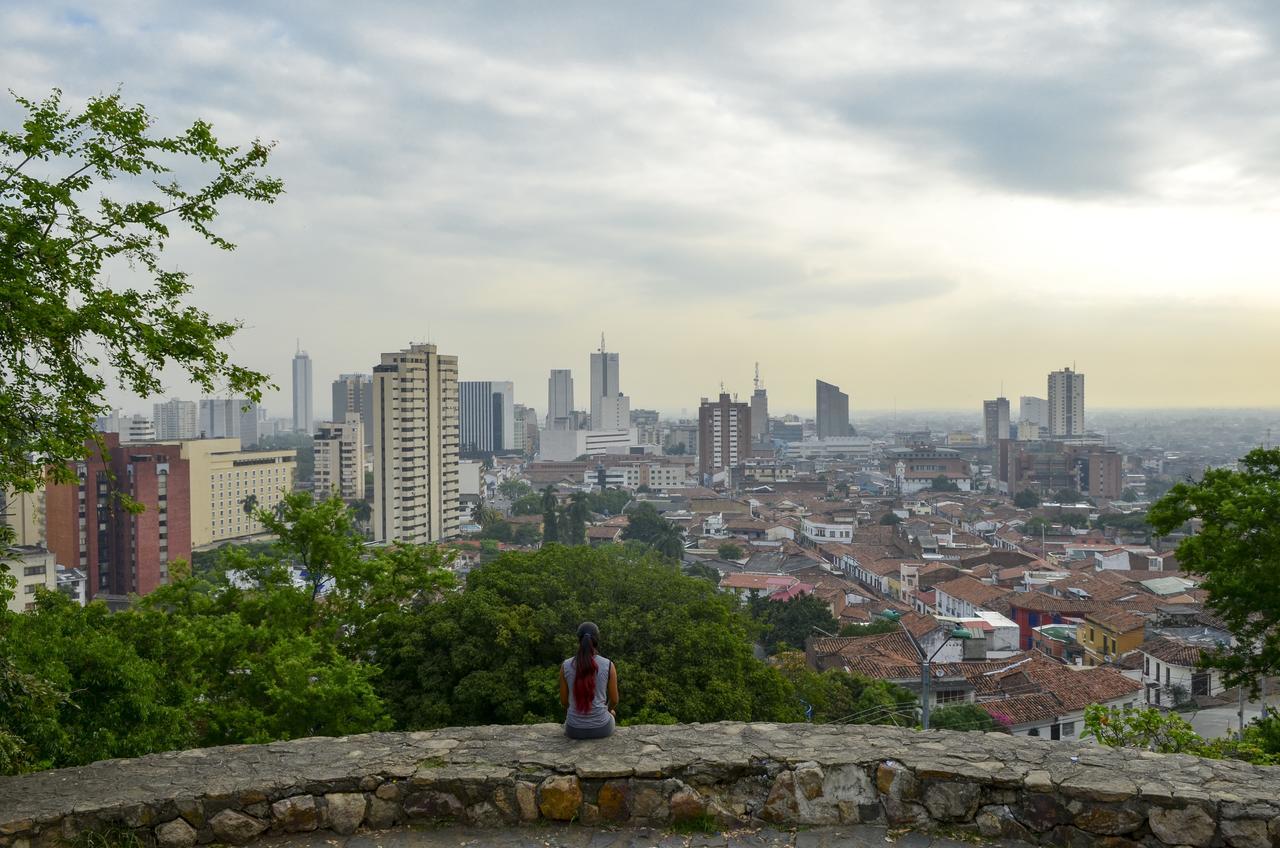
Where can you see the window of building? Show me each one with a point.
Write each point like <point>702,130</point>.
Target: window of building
<point>1068,728</point>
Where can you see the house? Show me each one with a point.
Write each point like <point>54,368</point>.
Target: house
<point>963,596</point>
<point>1034,609</point>
<point>765,584</point>
<point>1039,697</point>
<point>1171,673</point>
<point>604,534</point>
<point>1108,633</point>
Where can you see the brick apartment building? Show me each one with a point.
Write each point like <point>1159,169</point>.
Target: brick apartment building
<point>122,552</point>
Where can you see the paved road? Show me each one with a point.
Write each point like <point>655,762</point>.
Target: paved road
<point>1219,721</point>
<point>541,836</point>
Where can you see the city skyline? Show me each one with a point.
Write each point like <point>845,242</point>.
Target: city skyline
<point>491,182</point>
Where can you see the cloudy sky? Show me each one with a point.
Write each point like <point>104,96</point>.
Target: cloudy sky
<point>915,201</point>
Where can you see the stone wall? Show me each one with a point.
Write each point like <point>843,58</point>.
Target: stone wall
<point>993,784</point>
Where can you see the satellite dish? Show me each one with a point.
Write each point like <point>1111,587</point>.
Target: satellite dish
<point>939,673</point>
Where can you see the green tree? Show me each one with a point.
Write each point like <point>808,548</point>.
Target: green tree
<point>550,516</point>
<point>962,717</point>
<point>784,625</point>
<point>881,625</point>
<point>644,524</point>
<point>729,550</point>
<point>1129,494</point>
<point>1237,552</point>
<point>514,489</point>
<point>576,519</point>
<point>525,534</point>
<point>1026,499</point>
<point>942,484</point>
<point>491,653</point>
<point>530,504</point>
<point>62,231</point>
<point>841,697</point>
<point>609,502</point>
<point>703,571</point>
<point>1068,496</point>
<point>891,518</point>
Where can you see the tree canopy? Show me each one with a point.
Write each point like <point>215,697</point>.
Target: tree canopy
<point>1237,551</point>
<point>86,194</point>
<point>1026,499</point>
<point>491,653</point>
<point>784,625</point>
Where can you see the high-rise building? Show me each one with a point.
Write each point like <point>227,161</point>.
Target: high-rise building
<point>1066,403</point>
<point>1034,410</point>
<point>610,408</point>
<point>724,434</point>
<point>176,419</point>
<point>759,412</point>
<point>223,477</point>
<point>415,446</point>
<point>995,419</point>
<point>303,410</point>
<point>339,458</point>
<point>560,400</point>
<point>486,417</point>
<point>354,393</point>
<point>526,431</point>
<point>230,418</point>
<point>114,421</point>
<point>140,430</point>
<point>123,552</point>
<point>833,411</point>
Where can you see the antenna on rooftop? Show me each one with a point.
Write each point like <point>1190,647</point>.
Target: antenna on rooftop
<point>602,341</point>
<point>757,380</point>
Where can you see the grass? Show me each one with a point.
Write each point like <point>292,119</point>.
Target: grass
<point>704,823</point>
<point>113,836</point>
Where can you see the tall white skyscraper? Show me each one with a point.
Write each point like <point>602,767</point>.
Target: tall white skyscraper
<point>560,399</point>
<point>176,419</point>
<point>229,418</point>
<point>1066,403</point>
<point>1034,410</point>
<point>415,446</point>
<point>303,417</point>
<point>607,411</point>
<point>339,458</point>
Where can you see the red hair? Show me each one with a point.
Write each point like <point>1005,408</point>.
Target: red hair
<point>584,679</point>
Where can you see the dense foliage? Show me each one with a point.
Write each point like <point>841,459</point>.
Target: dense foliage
<point>784,625</point>
<point>962,717</point>
<point>646,526</point>
<point>84,196</point>
<point>1237,552</point>
<point>491,653</point>
<point>838,697</point>
<point>1168,733</point>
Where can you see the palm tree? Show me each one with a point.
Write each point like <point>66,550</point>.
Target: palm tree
<point>249,505</point>
<point>669,541</point>
<point>576,526</point>
<point>550,520</point>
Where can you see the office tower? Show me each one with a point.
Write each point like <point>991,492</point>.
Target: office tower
<point>339,458</point>
<point>486,417</point>
<point>1066,403</point>
<point>645,424</point>
<point>833,411</point>
<point>224,476</point>
<point>114,421</point>
<point>220,418</point>
<point>526,430</point>
<point>354,393</point>
<point>140,429</point>
<point>302,406</point>
<point>995,418</point>
<point>560,400</point>
<point>415,445</point>
<point>122,551</point>
<point>610,409</point>
<point>176,419</point>
<point>1033,409</point>
<point>724,434</point>
<point>759,412</point>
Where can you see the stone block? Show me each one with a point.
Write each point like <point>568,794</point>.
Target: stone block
<point>382,813</point>
<point>1041,812</point>
<point>191,810</point>
<point>1186,826</point>
<point>433,804</point>
<point>390,791</point>
<point>175,834</point>
<point>235,827</point>
<point>1246,833</point>
<point>345,811</point>
<point>295,815</point>
<point>526,801</point>
<point>560,797</point>
<point>1109,819</point>
<point>997,821</point>
<point>614,800</point>
<point>648,803</point>
<point>686,805</point>
<point>952,801</point>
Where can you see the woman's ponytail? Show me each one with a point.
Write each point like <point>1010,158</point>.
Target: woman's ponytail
<point>584,681</point>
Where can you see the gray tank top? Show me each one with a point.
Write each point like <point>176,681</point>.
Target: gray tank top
<point>598,715</point>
